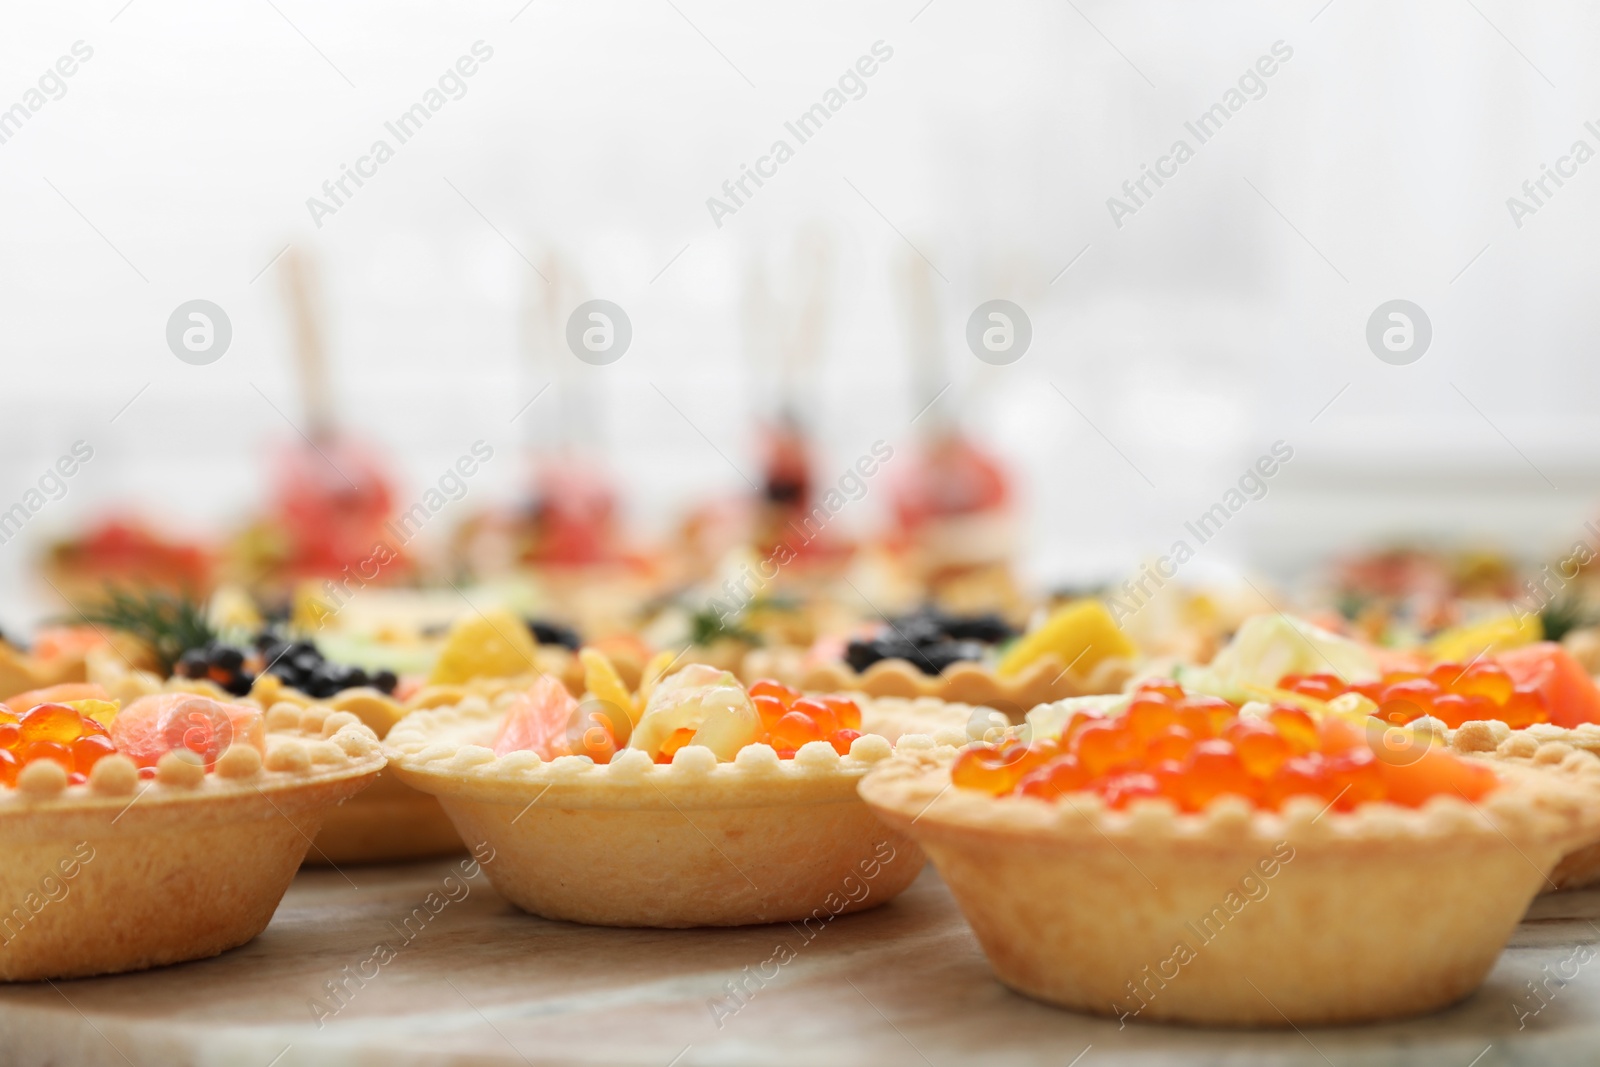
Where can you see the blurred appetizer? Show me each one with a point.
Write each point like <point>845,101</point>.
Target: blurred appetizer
<point>178,821</point>
<point>1166,833</point>
<point>585,801</point>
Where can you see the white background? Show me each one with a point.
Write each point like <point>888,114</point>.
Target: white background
<point>1225,315</point>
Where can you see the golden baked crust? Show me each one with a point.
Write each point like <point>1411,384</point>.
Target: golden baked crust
<point>387,823</point>
<point>948,723</point>
<point>1042,682</point>
<point>180,867</point>
<point>633,843</point>
<point>1154,914</point>
<point>1541,745</point>
<point>1497,740</point>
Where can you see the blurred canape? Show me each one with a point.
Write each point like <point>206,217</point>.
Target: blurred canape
<point>124,551</point>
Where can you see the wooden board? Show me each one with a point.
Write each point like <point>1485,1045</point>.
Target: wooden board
<point>479,982</point>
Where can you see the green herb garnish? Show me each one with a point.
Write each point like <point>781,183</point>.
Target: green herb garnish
<point>708,626</point>
<point>170,625</point>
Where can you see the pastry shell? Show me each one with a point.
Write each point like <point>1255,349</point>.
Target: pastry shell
<point>954,724</point>
<point>633,843</point>
<point>122,873</point>
<point>387,823</point>
<point>1540,746</point>
<point>1041,682</point>
<point>1298,918</point>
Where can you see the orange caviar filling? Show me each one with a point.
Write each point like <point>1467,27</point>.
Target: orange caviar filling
<point>1451,692</point>
<point>789,720</point>
<point>53,732</point>
<point>144,732</point>
<point>548,720</point>
<point>1190,750</point>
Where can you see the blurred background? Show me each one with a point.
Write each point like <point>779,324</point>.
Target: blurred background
<point>1171,344</point>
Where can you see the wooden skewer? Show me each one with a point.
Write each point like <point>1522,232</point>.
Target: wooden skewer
<point>802,351</point>
<point>299,284</point>
<point>929,367</point>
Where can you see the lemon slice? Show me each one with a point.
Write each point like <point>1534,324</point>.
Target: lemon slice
<point>603,682</point>
<point>375,710</point>
<point>1080,634</point>
<point>1462,644</point>
<point>101,711</point>
<point>652,673</point>
<point>486,644</point>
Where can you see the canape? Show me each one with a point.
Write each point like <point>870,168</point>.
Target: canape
<point>695,802</point>
<point>387,823</point>
<point>164,831</point>
<point>1490,703</point>
<point>1540,747</point>
<point>970,659</point>
<point>483,654</point>
<point>1177,860</point>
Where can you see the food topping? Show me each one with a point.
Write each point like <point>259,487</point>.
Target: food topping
<point>1468,641</point>
<point>789,719</point>
<point>487,644</point>
<point>53,732</point>
<point>1268,647</point>
<point>1189,750</point>
<point>76,738</point>
<point>1453,693</point>
<point>698,705</point>
<point>152,726</point>
<point>1566,686</point>
<point>297,664</point>
<point>546,632</point>
<point>1079,635</point>
<point>930,640</point>
<point>536,722</point>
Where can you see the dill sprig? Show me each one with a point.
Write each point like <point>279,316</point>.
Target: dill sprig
<point>170,625</point>
<point>1568,611</point>
<point>708,626</point>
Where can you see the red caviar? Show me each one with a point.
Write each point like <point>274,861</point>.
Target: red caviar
<point>53,732</point>
<point>676,740</point>
<point>144,731</point>
<point>789,720</point>
<point>1453,693</point>
<point>1190,750</point>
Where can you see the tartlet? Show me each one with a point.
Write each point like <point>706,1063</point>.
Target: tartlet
<point>1231,914</point>
<point>122,873</point>
<point>636,842</point>
<point>1492,702</point>
<point>1076,651</point>
<point>1041,682</point>
<point>1499,705</point>
<point>1540,747</point>
<point>483,653</point>
<point>386,823</point>
<point>951,723</point>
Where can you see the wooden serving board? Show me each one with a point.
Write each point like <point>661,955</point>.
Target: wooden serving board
<point>476,981</point>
